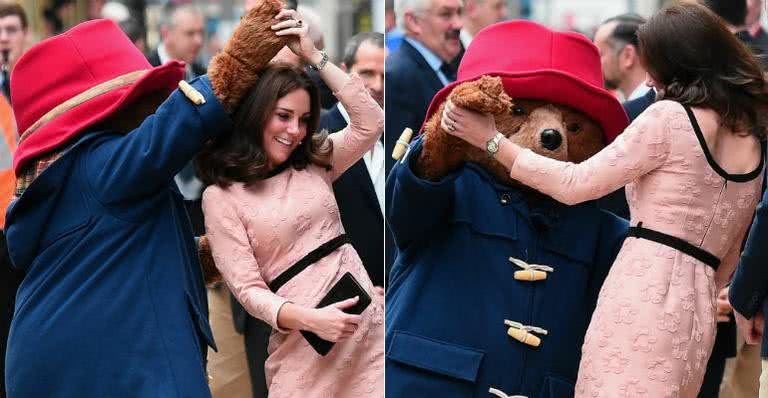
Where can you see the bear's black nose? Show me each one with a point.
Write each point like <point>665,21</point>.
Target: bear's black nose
<point>551,139</point>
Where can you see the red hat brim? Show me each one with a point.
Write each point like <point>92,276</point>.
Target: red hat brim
<point>557,87</point>
<point>70,124</point>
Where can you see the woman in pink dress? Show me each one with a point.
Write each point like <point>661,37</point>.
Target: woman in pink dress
<point>270,204</point>
<point>692,164</point>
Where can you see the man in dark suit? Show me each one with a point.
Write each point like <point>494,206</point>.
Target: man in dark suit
<point>616,40</point>
<point>181,38</point>
<point>419,68</point>
<point>360,190</point>
<point>636,106</point>
<point>181,33</point>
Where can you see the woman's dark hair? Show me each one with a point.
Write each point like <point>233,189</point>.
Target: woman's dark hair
<point>239,156</point>
<point>698,62</point>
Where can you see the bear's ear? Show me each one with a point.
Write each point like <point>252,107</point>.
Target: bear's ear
<point>485,94</point>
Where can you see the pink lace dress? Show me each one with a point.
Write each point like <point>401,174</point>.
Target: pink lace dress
<point>654,326</point>
<point>258,231</point>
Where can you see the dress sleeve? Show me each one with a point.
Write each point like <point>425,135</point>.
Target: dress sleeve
<point>234,258</point>
<point>641,148</point>
<point>366,123</point>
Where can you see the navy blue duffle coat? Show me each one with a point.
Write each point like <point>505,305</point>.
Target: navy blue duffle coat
<point>113,303</point>
<point>452,286</point>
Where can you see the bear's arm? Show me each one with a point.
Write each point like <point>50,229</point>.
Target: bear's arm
<point>234,70</point>
<point>641,148</point>
<point>444,153</point>
<point>416,207</point>
<point>146,159</point>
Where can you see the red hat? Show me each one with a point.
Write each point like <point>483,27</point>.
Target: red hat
<point>74,80</point>
<point>537,63</point>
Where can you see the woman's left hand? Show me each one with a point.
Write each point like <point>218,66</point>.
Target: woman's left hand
<point>290,22</point>
<point>473,127</point>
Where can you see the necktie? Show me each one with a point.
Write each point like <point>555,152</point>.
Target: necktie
<point>449,71</point>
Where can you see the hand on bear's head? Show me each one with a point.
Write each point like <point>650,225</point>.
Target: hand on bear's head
<point>549,129</point>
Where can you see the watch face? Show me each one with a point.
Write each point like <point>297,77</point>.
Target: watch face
<point>493,147</point>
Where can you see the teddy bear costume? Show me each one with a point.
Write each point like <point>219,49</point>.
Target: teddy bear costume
<point>113,303</point>
<point>654,326</point>
<point>453,299</point>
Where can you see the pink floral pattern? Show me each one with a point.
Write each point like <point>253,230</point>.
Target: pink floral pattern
<point>657,303</point>
<point>258,231</point>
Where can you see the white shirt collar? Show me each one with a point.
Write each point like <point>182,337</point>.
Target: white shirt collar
<point>162,53</point>
<point>639,91</point>
<point>374,163</point>
<point>465,38</point>
<point>343,112</point>
<point>432,59</point>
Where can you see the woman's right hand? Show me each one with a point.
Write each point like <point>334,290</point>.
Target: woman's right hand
<point>291,24</point>
<point>332,323</point>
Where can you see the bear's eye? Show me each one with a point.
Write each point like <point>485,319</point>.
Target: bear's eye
<point>573,127</point>
<point>518,111</point>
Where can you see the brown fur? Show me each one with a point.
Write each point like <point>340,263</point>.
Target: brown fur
<point>253,44</point>
<point>443,153</point>
<point>210,272</point>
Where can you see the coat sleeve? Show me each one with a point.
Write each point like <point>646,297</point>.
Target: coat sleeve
<point>234,258</point>
<point>641,148</point>
<point>146,159</point>
<point>749,287</point>
<point>366,123</point>
<point>403,110</point>
<point>416,207</point>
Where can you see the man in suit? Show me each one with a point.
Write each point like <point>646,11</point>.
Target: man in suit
<point>181,34</point>
<point>419,68</point>
<point>616,40</point>
<point>13,37</point>
<point>360,190</point>
<point>480,13</point>
<point>476,16</point>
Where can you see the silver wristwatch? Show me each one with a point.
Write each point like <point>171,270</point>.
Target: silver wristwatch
<point>492,146</point>
<point>321,64</point>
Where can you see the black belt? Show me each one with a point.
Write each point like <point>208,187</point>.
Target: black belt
<point>675,243</point>
<point>311,258</point>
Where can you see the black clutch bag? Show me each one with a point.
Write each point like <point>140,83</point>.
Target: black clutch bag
<point>347,287</point>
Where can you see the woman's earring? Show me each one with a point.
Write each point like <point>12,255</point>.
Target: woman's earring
<point>301,142</point>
